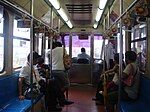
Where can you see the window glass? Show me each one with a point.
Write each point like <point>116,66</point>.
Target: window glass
<point>1,39</point>
<point>66,38</point>
<point>98,42</point>
<point>21,32</point>
<point>1,53</point>
<point>77,44</point>
<point>40,46</point>
<point>46,43</point>
<point>21,49</point>
<point>139,46</point>
<point>21,45</point>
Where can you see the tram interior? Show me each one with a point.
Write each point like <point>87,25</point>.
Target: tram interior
<point>27,25</point>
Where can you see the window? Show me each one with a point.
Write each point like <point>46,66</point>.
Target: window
<point>21,45</point>
<point>66,39</point>
<point>98,42</point>
<point>138,44</point>
<point>77,44</point>
<point>1,39</point>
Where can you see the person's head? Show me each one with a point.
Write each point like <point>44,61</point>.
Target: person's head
<point>40,60</point>
<point>35,57</point>
<point>56,44</point>
<point>82,49</point>
<point>130,56</point>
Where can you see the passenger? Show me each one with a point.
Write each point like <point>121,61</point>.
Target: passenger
<point>109,52</point>
<point>25,76</point>
<point>131,93</point>
<point>83,56</point>
<point>58,69</point>
<point>128,93</point>
<point>113,84</point>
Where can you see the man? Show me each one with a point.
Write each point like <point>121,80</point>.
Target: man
<point>58,69</point>
<point>83,55</point>
<point>25,76</point>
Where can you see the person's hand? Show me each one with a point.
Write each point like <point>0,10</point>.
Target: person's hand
<point>102,75</point>
<point>21,97</point>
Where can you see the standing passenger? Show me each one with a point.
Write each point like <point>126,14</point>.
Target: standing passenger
<point>58,69</point>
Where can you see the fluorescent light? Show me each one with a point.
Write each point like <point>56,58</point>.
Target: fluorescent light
<point>55,4</point>
<point>62,14</point>
<point>98,15</point>
<point>102,4</point>
<point>95,25</point>
<point>69,24</point>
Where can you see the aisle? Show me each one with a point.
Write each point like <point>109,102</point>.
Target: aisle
<point>82,97</point>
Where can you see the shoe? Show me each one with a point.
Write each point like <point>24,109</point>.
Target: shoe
<point>54,109</point>
<point>95,99</point>
<point>66,102</point>
<point>99,103</point>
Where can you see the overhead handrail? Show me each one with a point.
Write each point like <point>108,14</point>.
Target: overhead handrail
<point>122,15</point>
<point>25,12</point>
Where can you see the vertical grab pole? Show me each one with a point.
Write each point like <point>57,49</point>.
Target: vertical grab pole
<point>31,52</point>
<point>51,41</point>
<point>120,55</point>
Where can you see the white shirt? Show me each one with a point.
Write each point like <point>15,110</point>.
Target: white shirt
<point>25,72</point>
<point>133,90</point>
<point>57,58</point>
<point>109,53</point>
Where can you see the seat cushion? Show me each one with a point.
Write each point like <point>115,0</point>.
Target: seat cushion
<point>19,105</point>
<point>134,107</point>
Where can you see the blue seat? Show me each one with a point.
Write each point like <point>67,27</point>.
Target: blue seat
<point>9,101</point>
<point>143,102</point>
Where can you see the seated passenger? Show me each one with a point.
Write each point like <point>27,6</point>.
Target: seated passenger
<point>128,93</point>
<point>113,84</point>
<point>83,57</point>
<point>24,79</point>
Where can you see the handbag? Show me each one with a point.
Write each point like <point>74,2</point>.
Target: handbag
<point>129,81</point>
<point>31,94</point>
<point>35,89</point>
<point>66,60</point>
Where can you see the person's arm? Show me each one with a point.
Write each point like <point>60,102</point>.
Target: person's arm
<point>21,97</point>
<point>115,68</point>
<point>126,71</point>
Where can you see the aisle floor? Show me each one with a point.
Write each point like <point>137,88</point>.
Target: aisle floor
<point>82,97</point>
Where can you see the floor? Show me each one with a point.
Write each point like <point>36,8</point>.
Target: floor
<point>82,97</point>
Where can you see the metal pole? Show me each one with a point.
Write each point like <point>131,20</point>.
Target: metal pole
<point>25,12</point>
<point>51,41</point>
<point>120,55</point>
<point>91,55</point>
<point>31,51</point>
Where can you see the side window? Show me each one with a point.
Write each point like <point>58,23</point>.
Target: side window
<point>1,39</point>
<point>138,44</point>
<point>21,44</point>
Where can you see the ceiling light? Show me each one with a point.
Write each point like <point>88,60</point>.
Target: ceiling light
<point>55,4</point>
<point>69,24</point>
<point>95,25</point>
<point>102,4</point>
<point>98,15</point>
<point>62,14</point>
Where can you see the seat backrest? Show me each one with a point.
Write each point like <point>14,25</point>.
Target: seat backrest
<point>144,89</point>
<point>83,61</point>
<point>8,88</point>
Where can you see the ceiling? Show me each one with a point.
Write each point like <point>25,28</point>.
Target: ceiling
<point>81,12</point>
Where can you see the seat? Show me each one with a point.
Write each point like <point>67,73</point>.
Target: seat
<point>83,61</point>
